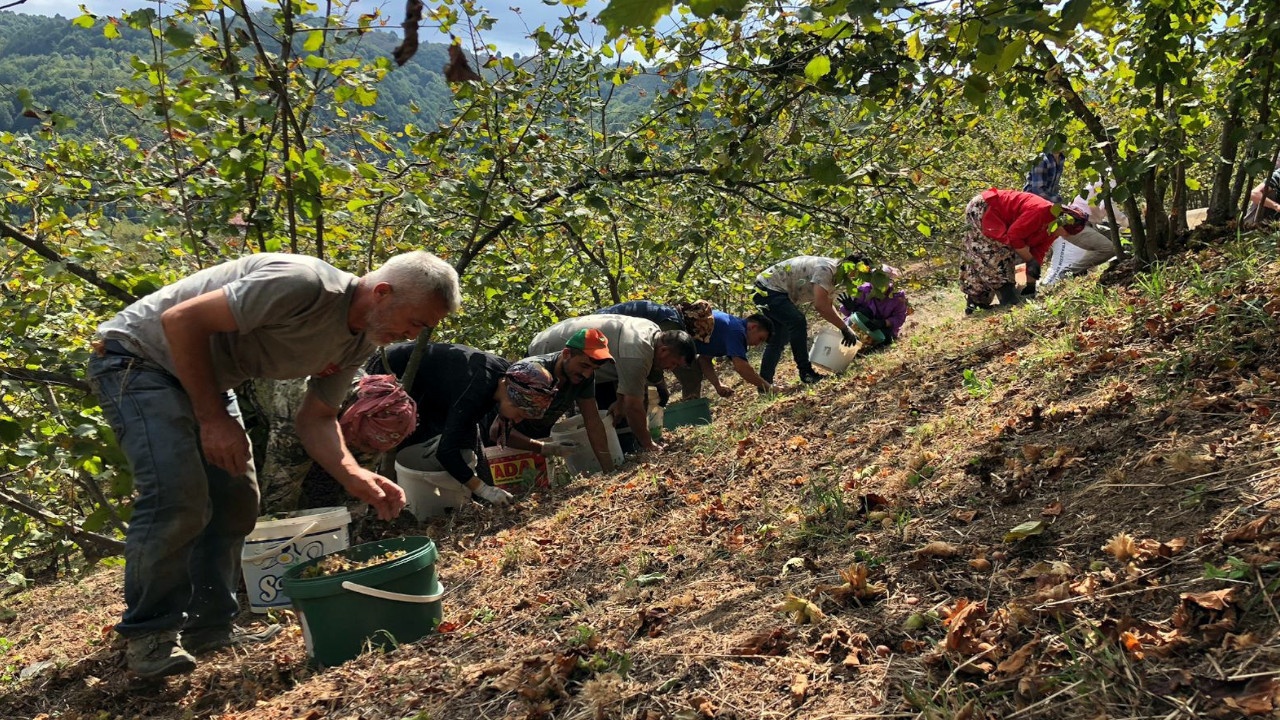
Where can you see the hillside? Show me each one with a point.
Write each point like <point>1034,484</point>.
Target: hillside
<point>66,68</point>
<point>1059,511</point>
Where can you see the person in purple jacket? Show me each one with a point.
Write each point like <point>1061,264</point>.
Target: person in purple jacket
<point>880,311</point>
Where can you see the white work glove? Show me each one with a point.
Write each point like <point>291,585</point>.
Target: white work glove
<point>495,495</point>
<point>563,448</point>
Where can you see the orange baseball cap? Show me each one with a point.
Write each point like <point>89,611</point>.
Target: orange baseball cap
<point>592,342</point>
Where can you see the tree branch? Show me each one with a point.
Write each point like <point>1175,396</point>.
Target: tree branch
<point>101,544</point>
<point>43,250</point>
<point>42,377</point>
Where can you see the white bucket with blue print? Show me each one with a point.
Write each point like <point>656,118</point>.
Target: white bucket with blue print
<point>274,545</point>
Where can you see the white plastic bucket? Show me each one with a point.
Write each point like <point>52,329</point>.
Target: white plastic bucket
<point>574,429</point>
<point>274,545</point>
<point>429,489</point>
<point>829,353</point>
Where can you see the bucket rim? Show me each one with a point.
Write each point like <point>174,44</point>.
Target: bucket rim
<point>326,518</point>
<point>422,556</point>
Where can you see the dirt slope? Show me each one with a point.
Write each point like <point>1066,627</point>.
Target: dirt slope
<point>844,551</point>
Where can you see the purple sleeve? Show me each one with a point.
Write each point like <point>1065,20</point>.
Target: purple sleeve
<point>896,305</point>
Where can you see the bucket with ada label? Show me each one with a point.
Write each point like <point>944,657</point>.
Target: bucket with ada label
<point>517,471</point>
<point>583,460</point>
<point>380,606</point>
<point>690,412</point>
<point>829,353</point>
<point>277,543</point>
<point>429,489</point>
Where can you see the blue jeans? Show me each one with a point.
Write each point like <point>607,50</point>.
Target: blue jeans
<point>182,548</point>
<point>789,326</point>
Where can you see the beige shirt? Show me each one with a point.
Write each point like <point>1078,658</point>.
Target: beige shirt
<point>631,342</point>
<point>291,315</point>
<point>798,276</point>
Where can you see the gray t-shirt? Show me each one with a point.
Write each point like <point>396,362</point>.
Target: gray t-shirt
<point>291,315</point>
<point>798,276</point>
<point>631,343</point>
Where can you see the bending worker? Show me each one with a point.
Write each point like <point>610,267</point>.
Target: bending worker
<point>641,352</point>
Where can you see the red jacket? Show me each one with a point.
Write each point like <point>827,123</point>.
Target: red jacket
<point>1018,219</point>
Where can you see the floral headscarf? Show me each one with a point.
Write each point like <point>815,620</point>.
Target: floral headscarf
<point>381,417</point>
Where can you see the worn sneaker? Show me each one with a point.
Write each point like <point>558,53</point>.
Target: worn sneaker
<point>203,640</point>
<point>812,377</point>
<point>158,654</point>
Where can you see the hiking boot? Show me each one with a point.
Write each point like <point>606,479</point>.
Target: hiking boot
<point>203,640</point>
<point>812,377</point>
<point>1009,295</point>
<point>1030,290</point>
<point>157,655</point>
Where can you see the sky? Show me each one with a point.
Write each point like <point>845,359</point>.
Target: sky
<point>515,20</point>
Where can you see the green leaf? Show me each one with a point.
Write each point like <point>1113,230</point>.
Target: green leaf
<point>826,171</point>
<point>110,31</point>
<point>315,62</point>
<point>84,21</point>
<point>179,37</point>
<point>817,68</point>
<point>1073,14</point>
<point>315,41</point>
<point>1025,530</point>
<point>731,9</point>
<point>976,88</point>
<point>622,15</point>
<point>915,48</point>
<point>925,230</point>
<point>1193,184</point>
<point>10,430</point>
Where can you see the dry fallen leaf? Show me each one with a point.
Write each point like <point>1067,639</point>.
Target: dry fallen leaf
<point>797,442</point>
<point>802,611</point>
<point>938,548</point>
<point>1122,547</point>
<point>1053,509</point>
<point>767,642</point>
<point>1213,600</point>
<point>799,686</point>
<point>1250,532</point>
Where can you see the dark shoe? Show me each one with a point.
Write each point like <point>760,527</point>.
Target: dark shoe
<point>1008,294</point>
<point>203,640</point>
<point>158,654</point>
<point>812,377</point>
<point>1030,290</point>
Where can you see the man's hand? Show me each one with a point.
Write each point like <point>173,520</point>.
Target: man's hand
<point>563,448</point>
<point>496,496</point>
<point>225,444</point>
<point>724,392</point>
<point>386,497</point>
<point>849,337</point>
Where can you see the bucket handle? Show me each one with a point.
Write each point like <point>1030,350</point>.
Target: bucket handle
<point>388,595</point>
<point>275,550</point>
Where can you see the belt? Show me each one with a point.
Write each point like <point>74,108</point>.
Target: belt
<point>103,348</point>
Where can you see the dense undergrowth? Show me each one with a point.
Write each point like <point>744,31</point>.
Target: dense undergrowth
<point>1058,511</point>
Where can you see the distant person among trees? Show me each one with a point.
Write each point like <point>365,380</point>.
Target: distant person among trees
<point>1045,178</point>
<point>641,352</point>
<point>782,290</point>
<point>1005,226</point>
<point>879,307</point>
<point>730,338</point>
<point>573,368</point>
<point>1265,199</point>
<point>455,388</point>
<point>163,370</point>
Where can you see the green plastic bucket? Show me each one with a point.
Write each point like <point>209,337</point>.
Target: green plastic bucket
<point>868,336</point>
<point>382,606</point>
<point>690,412</point>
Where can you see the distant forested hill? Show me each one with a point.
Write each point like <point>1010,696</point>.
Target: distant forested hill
<point>65,67</point>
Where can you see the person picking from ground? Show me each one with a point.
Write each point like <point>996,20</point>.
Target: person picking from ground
<point>782,290</point>
<point>455,388</point>
<point>163,370</point>
<point>877,307</point>
<point>730,338</point>
<point>1006,226</point>
<point>573,368</point>
<point>641,353</point>
<point>1264,200</point>
<point>694,318</point>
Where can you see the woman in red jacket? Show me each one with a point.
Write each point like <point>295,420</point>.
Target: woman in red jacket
<point>1008,227</point>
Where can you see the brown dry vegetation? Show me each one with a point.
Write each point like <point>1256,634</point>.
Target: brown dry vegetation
<point>843,551</point>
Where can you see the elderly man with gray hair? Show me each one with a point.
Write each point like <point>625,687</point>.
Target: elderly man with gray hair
<point>164,369</point>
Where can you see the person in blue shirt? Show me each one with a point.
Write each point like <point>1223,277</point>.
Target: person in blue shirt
<point>1045,179</point>
<point>730,337</point>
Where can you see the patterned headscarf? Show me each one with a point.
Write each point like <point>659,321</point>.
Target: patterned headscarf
<point>1072,220</point>
<point>529,387</point>
<point>381,417</point>
<point>698,320</point>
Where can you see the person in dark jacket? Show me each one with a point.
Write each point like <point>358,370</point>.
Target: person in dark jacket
<point>455,388</point>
